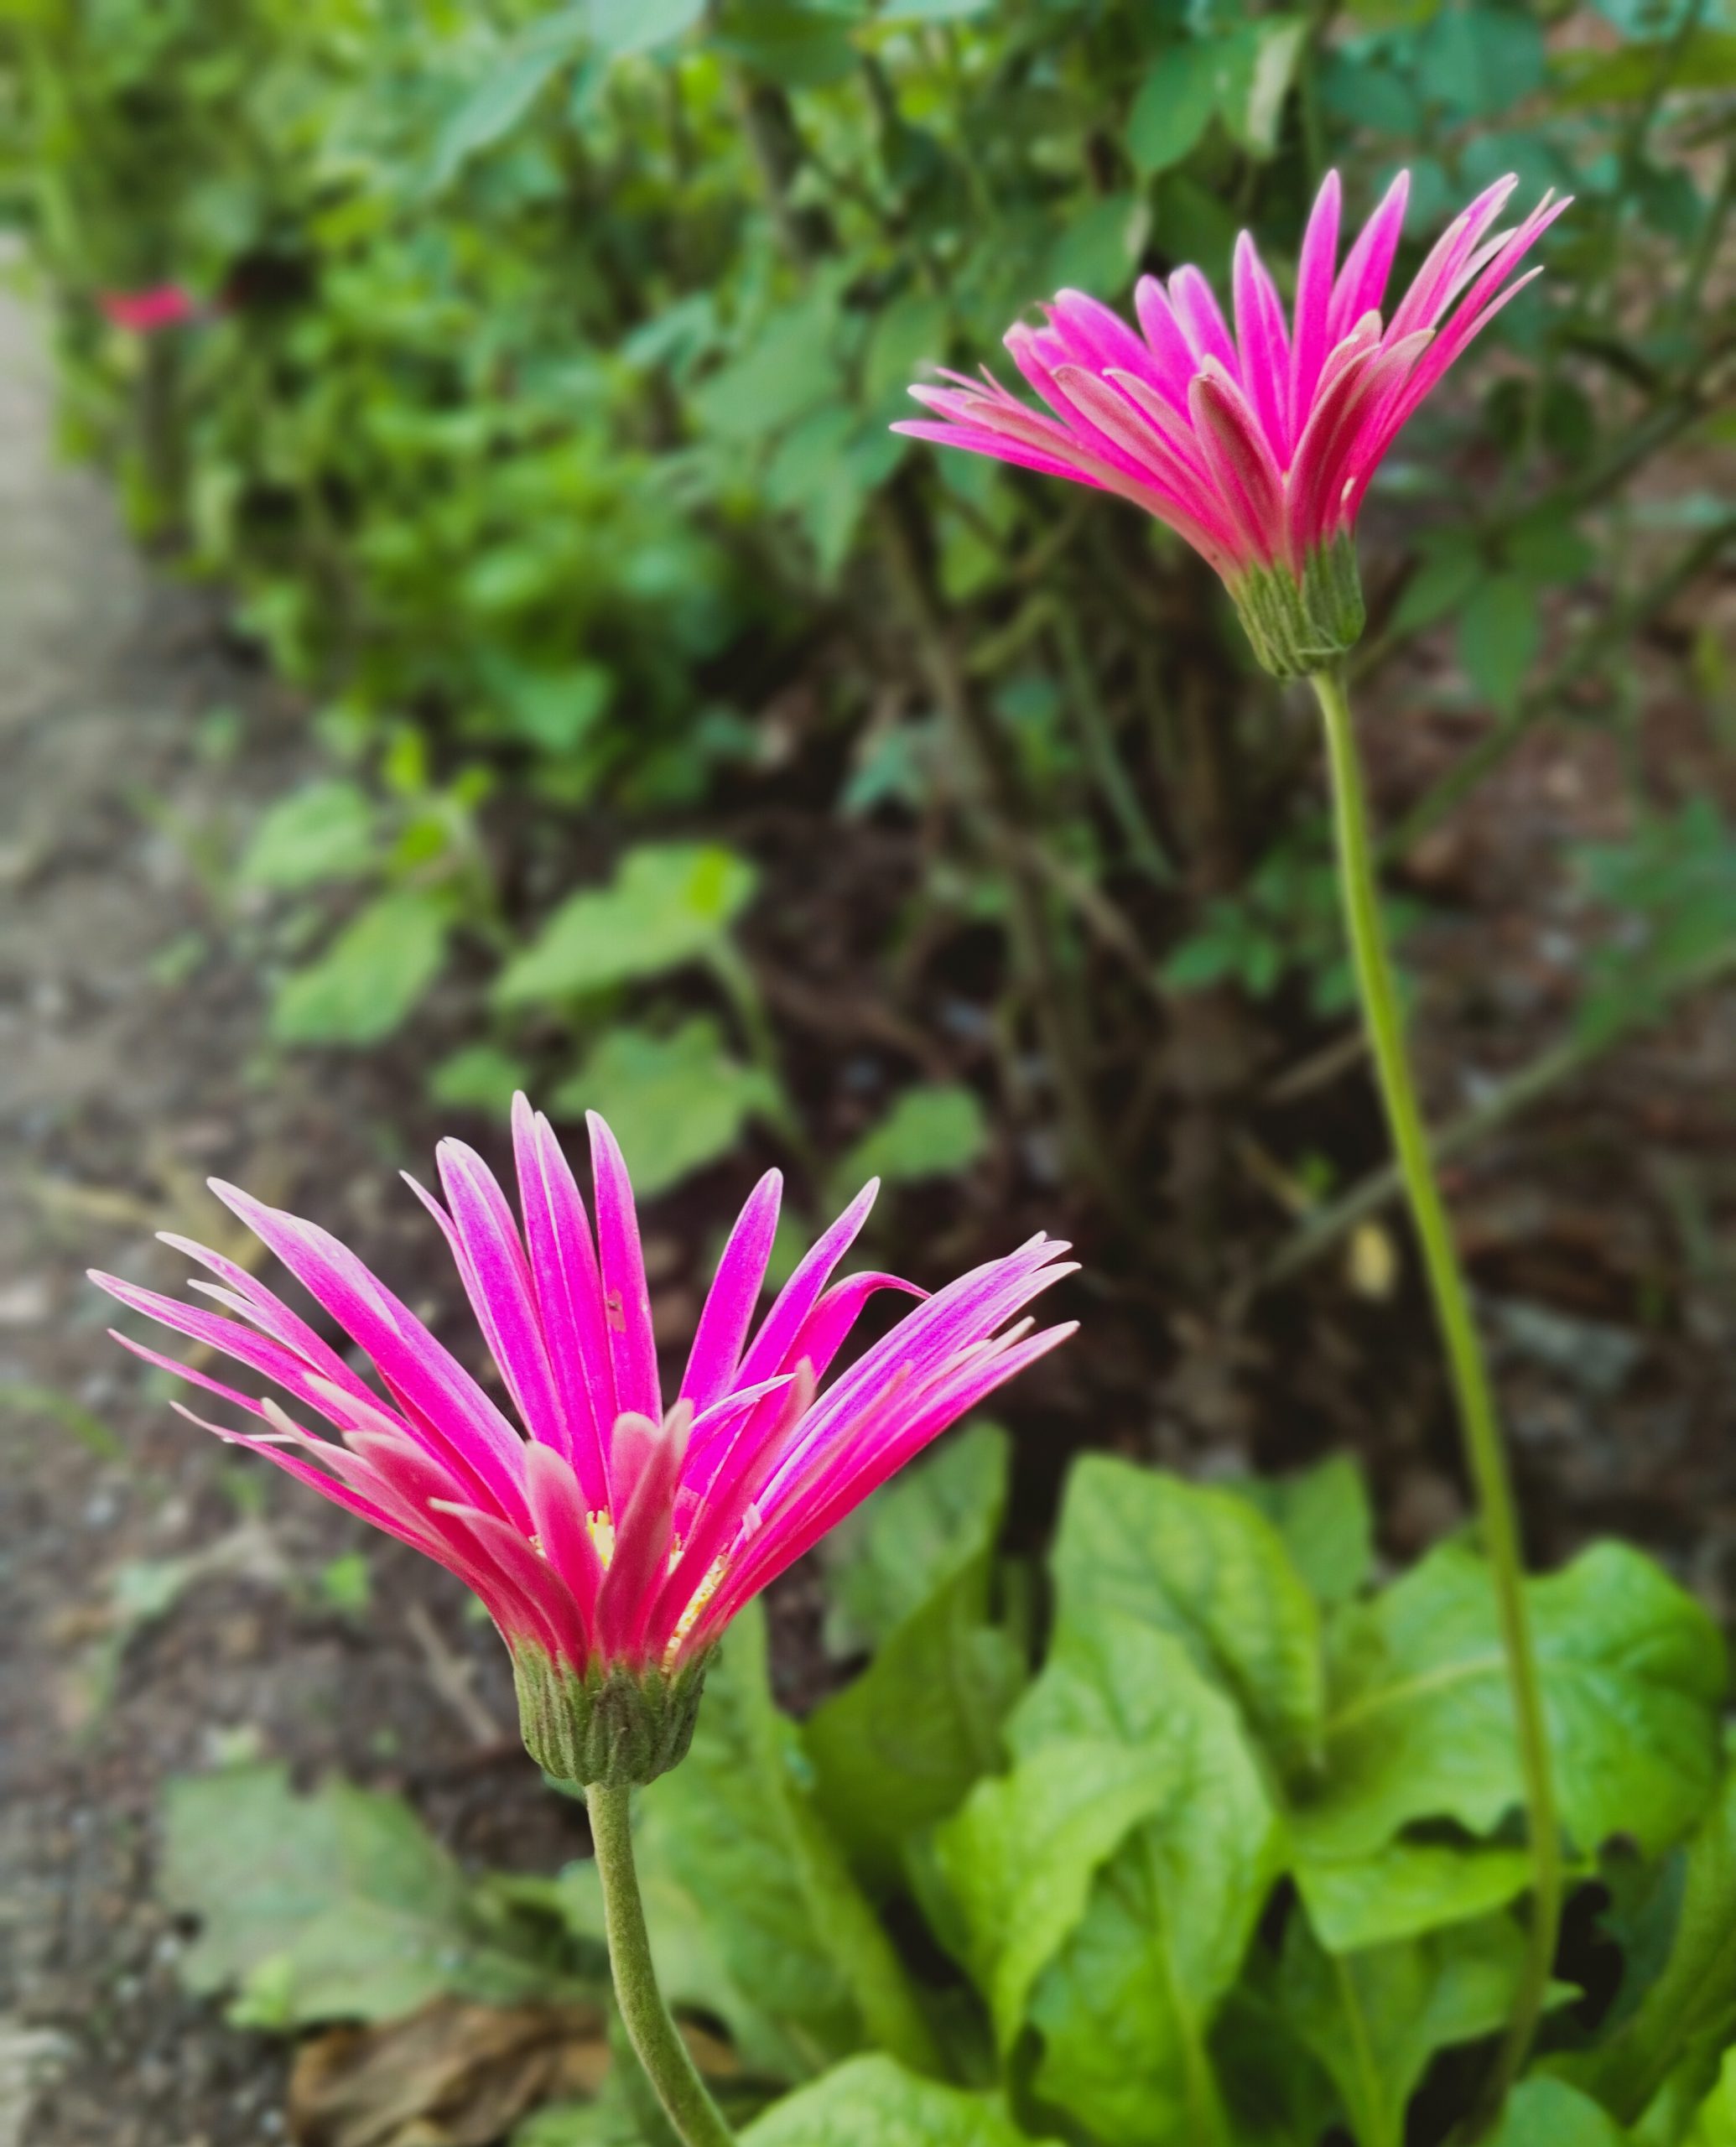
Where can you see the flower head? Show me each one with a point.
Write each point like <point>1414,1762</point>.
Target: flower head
<point>145,312</point>
<point>612,1538</point>
<point>1256,446</point>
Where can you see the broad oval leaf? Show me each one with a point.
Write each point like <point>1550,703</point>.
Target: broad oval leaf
<point>371,977</point>
<point>669,904</point>
<point>1421,1724</point>
<point>675,1103</point>
<point>1203,1565</point>
<point>873,2101</point>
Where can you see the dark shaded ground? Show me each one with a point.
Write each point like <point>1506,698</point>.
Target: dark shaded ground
<point>138,745</point>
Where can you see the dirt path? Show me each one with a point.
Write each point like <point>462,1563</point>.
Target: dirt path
<point>136,747</point>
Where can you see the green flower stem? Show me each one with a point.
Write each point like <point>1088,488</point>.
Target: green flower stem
<point>1484,1450</point>
<point>654,2034</point>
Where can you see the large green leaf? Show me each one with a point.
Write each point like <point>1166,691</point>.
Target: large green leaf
<point>1019,1857</point>
<point>675,1103</point>
<point>1547,2113</point>
<point>931,1131</point>
<point>688,1951</point>
<point>897,1749</point>
<point>1421,1721</point>
<point>1201,1564</point>
<point>323,831</point>
<point>510,86</point>
<point>1683,2021</point>
<point>669,904</point>
<point>1406,1888</point>
<point>335,1905</point>
<point>1714,2123</point>
<point>1125,2003</point>
<point>1324,1516</point>
<point>1497,635</point>
<point>1375,2020</point>
<point>369,981</point>
<point>734,1828</point>
<point>899,1548</point>
<point>1174,107</point>
<point>872,2102</point>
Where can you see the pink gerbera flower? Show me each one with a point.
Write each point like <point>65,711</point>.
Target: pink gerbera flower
<point>614,1542</point>
<point>146,312</point>
<point>1257,447</point>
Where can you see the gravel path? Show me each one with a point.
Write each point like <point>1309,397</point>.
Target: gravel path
<point>137,745</point>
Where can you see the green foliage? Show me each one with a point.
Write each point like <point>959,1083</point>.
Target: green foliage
<point>324,831</point>
<point>896,1750</point>
<point>1172,1888</point>
<point>549,355</point>
<point>1375,2020</point>
<point>1419,1724</point>
<point>736,1827</point>
<point>873,2098</point>
<point>932,1131</point>
<point>669,905</point>
<point>1203,1565</point>
<point>370,978</point>
<point>675,1103</point>
<point>334,1905</point>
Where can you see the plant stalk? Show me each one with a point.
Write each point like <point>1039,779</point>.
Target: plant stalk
<point>1484,1452</point>
<point>653,2032</point>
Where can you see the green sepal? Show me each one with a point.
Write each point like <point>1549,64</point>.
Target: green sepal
<point>617,1726</point>
<point>1300,627</point>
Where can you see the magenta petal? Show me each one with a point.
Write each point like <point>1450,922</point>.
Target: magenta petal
<point>734,1293</point>
<point>497,1280</point>
<point>1313,301</point>
<point>1264,346</point>
<point>626,1301</point>
<point>570,1295</point>
<point>1362,282</point>
<point>1249,481</point>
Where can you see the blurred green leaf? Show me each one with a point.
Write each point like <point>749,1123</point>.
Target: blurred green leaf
<point>1322,1514</point>
<point>1450,568</point>
<point>1375,2020</point>
<point>1126,1998</point>
<point>1255,70</point>
<point>734,1827</point>
<point>1715,2120</point>
<point>1420,1725</point>
<point>898,1748</point>
<point>1203,1565</point>
<point>623,26</point>
<point>932,1131</point>
<point>508,92</point>
<point>1547,2113</point>
<point>914,1536</point>
<point>873,2101</point>
<point>669,904</point>
<point>323,831</point>
<point>480,1077</point>
<point>372,978</point>
<point>1681,2023</point>
<point>1097,251</point>
<point>1480,59</point>
<point>335,1905</point>
<point>675,1103</point>
<point>1498,636</point>
<point>1174,107</point>
<point>1406,1889</point>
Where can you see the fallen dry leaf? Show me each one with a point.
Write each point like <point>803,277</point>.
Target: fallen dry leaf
<point>453,2075</point>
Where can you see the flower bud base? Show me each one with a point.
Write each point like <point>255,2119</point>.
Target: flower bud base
<point>613,1725</point>
<point>1301,627</point>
